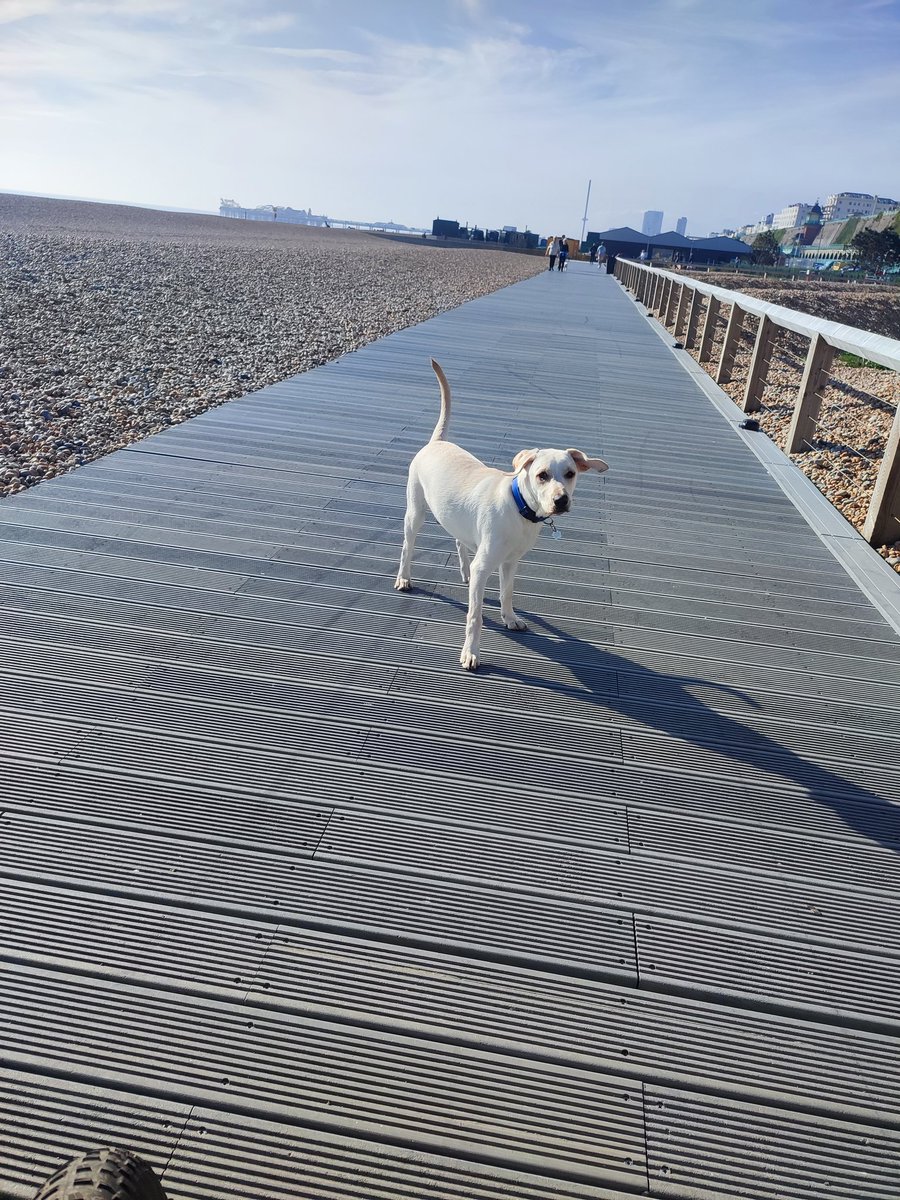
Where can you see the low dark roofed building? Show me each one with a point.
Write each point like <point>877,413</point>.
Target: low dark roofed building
<point>672,240</point>
<point>728,244</point>
<point>623,234</point>
<point>625,242</point>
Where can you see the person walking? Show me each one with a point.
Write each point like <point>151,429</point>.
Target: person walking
<point>593,253</point>
<point>563,254</point>
<point>552,251</point>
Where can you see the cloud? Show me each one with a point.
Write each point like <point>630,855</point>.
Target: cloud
<point>13,11</point>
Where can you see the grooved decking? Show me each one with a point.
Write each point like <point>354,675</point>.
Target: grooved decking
<point>292,905</point>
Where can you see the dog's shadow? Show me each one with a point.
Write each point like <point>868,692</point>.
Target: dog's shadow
<point>598,678</point>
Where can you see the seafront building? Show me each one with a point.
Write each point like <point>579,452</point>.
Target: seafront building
<point>749,232</point>
<point>842,205</point>
<point>791,216</point>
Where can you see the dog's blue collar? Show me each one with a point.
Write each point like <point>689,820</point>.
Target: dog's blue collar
<point>523,506</point>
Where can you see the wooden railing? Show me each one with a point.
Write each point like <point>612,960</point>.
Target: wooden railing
<point>678,303</point>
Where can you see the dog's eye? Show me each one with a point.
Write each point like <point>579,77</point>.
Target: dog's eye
<point>570,474</point>
<point>543,476</point>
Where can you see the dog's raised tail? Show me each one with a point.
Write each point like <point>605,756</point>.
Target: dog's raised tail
<point>440,430</point>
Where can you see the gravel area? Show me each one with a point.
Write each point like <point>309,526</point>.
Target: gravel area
<point>859,403</point>
<point>117,321</point>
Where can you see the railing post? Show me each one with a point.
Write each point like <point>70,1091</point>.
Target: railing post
<point>693,316</point>
<point>759,364</point>
<point>680,310</point>
<point>661,294</point>
<point>709,328</point>
<point>729,346</point>
<point>882,523</point>
<point>664,299</point>
<point>643,286</point>
<point>669,312</point>
<point>809,397</point>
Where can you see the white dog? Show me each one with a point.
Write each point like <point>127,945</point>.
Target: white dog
<point>495,517</point>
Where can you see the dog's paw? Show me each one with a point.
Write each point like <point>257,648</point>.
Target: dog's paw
<point>469,661</point>
<point>515,623</point>
<point>402,584</point>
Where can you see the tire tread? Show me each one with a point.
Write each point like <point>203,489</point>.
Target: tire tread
<point>108,1174</point>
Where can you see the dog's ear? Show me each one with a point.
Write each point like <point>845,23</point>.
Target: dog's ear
<point>583,463</point>
<point>524,458</point>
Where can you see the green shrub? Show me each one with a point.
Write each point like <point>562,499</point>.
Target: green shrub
<point>853,360</point>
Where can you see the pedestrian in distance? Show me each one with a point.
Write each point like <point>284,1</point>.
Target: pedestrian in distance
<point>593,252</point>
<point>563,254</point>
<point>552,251</point>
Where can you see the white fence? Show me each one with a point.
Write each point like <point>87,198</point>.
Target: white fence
<point>691,310</point>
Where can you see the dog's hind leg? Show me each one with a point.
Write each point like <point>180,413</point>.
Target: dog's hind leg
<point>507,580</point>
<point>465,560</point>
<point>416,511</point>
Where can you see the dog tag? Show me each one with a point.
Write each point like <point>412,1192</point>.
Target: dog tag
<point>556,534</point>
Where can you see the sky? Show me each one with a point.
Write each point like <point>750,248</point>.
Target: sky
<point>489,112</point>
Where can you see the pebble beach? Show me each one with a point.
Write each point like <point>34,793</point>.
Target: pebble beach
<point>120,321</point>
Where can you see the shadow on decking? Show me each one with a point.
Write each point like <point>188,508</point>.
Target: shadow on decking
<point>678,713</point>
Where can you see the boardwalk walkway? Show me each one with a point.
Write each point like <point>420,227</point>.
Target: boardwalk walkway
<point>296,908</point>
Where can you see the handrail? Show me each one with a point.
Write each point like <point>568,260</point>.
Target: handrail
<point>674,299</point>
<point>873,346</point>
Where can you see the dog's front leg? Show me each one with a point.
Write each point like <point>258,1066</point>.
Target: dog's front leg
<point>478,577</point>
<point>507,580</point>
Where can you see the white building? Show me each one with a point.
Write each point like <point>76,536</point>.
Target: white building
<point>791,216</point>
<point>855,204</point>
<point>748,232</point>
<point>652,222</point>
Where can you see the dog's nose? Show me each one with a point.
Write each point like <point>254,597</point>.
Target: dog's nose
<point>561,504</point>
